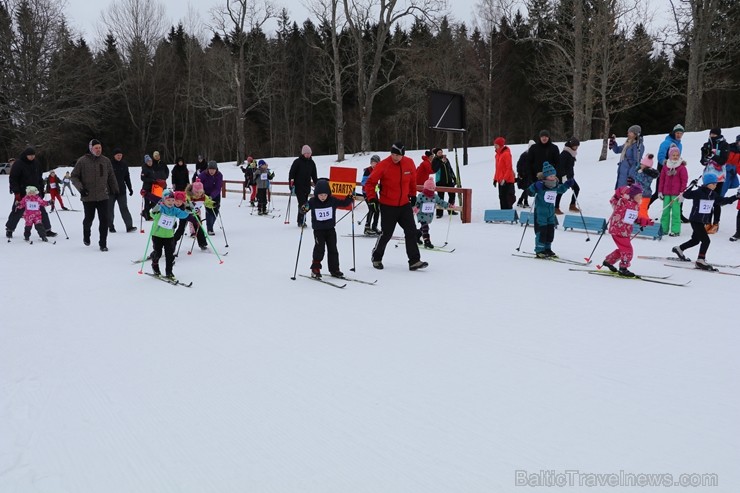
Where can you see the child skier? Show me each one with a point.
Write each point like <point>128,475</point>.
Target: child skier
<point>644,174</point>
<point>262,180</point>
<point>426,205</point>
<point>625,204</point>
<point>32,204</point>
<point>705,199</point>
<point>249,178</point>
<point>181,202</point>
<point>545,190</point>
<point>323,207</point>
<point>67,182</point>
<point>673,180</point>
<point>373,214</point>
<point>164,215</point>
<point>52,188</point>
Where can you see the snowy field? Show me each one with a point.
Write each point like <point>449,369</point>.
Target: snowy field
<point>449,379</point>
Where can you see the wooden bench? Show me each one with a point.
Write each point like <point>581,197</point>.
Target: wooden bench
<point>500,216</point>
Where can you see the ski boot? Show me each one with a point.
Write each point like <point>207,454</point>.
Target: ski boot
<point>316,270</point>
<point>41,231</point>
<point>27,233</point>
<point>155,269</point>
<point>550,254</point>
<point>542,254</point>
<point>703,265</point>
<point>624,272</point>
<point>369,231</point>
<point>609,266</point>
<point>418,265</point>
<point>378,264</point>
<point>428,244</point>
<point>679,253</point>
<point>337,273</point>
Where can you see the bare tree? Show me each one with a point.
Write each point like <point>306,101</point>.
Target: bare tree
<point>138,26</point>
<point>376,18</point>
<point>235,21</point>
<point>698,24</point>
<point>329,76</point>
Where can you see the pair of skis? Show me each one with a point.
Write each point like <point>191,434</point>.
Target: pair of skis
<point>653,279</point>
<point>171,282</point>
<point>551,259</point>
<point>336,284</point>
<point>676,259</point>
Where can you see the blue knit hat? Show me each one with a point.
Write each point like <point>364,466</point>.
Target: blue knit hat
<point>147,158</point>
<point>261,162</point>
<point>547,169</point>
<point>709,178</point>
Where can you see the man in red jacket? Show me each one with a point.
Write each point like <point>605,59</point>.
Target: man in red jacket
<point>397,177</point>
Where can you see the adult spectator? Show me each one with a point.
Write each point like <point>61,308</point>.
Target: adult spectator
<point>200,166</point>
<point>714,154</point>
<point>151,187</point>
<point>26,172</point>
<point>503,176</point>
<point>523,181</point>
<point>566,171</point>
<point>301,176</point>
<point>95,179</point>
<point>425,168</point>
<point>541,152</point>
<point>396,175</point>
<point>630,153</point>
<point>123,178</point>
<point>673,138</point>
<point>212,181</point>
<point>180,176</point>
<point>445,178</point>
<point>160,169</point>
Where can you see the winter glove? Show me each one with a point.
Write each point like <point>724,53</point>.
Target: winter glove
<point>412,200</point>
<point>680,198</point>
<point>84,192</point>
<point>539,186</point>
<point>142,193</point>
<point>351,196</point>
<point>660,196</point>
<point>305,208</point>
<point>495,183</point>
<point>644,221</point>
<point>130,192</point>
<point>693,183</point>
<point>416,210</point>
<point>569,183</point>
<point>612,142</point>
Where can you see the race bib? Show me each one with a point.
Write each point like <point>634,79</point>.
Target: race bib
<point>427,207</point>
<point>550,197</point>
<point>66,181</point>
<point>32,206</point>
<point>324,214</point>
<point>166,222</point>
<point>52,185</point>
<point>630,216</point>
<point>197,207</point>
<point>263,176</point>
<point>706,206</point>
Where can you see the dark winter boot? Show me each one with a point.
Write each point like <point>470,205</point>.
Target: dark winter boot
<point>609,266</point>
<point>550,253</point>
<point>418,265</point>
<point>155,269</point>
<point>337,273</point>
<point>369,231</point>
<point>703,265</point>
<point>679,253</point>
<point>428,243</point>
<point>8,233</point>
<point>316,269</point>
<point>378,264</point>
<point>27,233</point>
<point>624,272</point>
<point>41,231</point>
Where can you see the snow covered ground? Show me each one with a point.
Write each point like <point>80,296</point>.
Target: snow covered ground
<point>448,379</point>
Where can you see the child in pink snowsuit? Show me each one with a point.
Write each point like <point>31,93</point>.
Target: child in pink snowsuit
<point>625,203</point>
<point>32,204</point>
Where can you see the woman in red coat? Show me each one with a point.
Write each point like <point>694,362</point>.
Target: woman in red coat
<point>503,177</point>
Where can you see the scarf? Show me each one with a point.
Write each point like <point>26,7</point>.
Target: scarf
<point>627,145</point>
<point>673,165</point>
<point>428,193</point>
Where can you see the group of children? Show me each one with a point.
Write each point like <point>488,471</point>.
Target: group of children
<point>257,177</point>
<point>630,207</point>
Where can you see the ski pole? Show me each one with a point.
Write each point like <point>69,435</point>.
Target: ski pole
<point>61,223</point>
<point>192,245</point>
<point>141,216</point>
<point>449,223</point>
<point>353,234</point>
<point>295,271</point>
<point>363,217</point>
<point>588,237</point>
<point>146,249</point>
<point>208,238</point>
<point>221,220</point>
<point>179,244</point>
<point>588,259</point>
<point>287,211</point>
<point>347,214</point>
<point>525,226</point>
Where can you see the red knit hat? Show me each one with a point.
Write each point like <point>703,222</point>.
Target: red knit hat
<point>499,141</point>
<point>180,196</point>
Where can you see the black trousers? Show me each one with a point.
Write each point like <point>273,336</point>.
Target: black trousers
<point>507,196</point>
<point>101,207</point>
<point>122,202</point>
<point>301,195</point>
<point>372,216</point>
<point>17,214</point>
<point>698,236</point>
<point>168,245</point>
<point>262,199</point>
<point>576,193</point>
<point>199,231</point>
<point>404,217</point>
<point>451,200</point>
<point>325,239</point>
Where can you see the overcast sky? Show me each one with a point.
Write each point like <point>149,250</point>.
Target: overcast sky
<point>83,15</point>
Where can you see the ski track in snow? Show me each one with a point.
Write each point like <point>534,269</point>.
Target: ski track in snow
<point>447,379</point>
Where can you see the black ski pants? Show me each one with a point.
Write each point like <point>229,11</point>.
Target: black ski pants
<point>101,207</point>
<point>168,245</point>
<point>301,195</point>
<point>507,196</point>
<point>325,239</point>
<point>698,236</point>
<point>390,216</point>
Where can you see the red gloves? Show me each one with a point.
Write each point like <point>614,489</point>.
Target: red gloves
<point>645,221</point>
<point>142,193</point>
<point>161,183</point>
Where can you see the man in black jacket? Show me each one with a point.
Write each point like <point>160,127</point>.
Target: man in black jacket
<point>120,169</point>
<point>446,177</point>
<point>26,171</point>
<point>541,152</point>
<point>302,175</point>
<point>566,171</point>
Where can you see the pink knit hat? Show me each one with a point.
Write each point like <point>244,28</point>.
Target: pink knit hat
<point>306,150</point>
<point>429,184</point>
<point>647,161</point>
<point>197,186</point>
